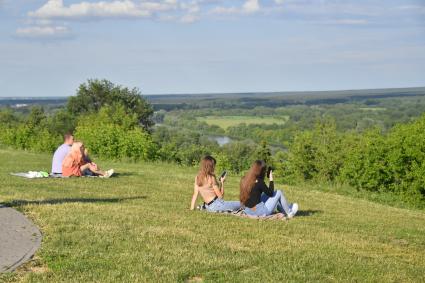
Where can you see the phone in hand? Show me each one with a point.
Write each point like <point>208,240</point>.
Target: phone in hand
<point>269,169</point>
<point>223,174</point>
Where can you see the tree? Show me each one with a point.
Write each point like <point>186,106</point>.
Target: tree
<point>94,94</point>
<point>36,116</point>
<point>8,117</point>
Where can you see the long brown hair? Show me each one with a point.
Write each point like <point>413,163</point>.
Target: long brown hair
<point>206,169</point>
<point>75,156</point>
<point>257,171</point>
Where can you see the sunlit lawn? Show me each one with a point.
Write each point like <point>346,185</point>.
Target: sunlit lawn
<point>137,227</point>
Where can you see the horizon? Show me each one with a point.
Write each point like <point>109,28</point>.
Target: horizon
<point>182,47</point>
<point>233,93</point>
<point>227,93</point>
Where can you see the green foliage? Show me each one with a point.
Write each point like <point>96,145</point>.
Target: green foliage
<point>191,154</point>
<point>366,166</point>
<point>223,163</point>
<point>61,122</point>
<point>392,162</point>
<point>263,152</point>
<point>108,119</point>
<point>315,155</point>
<point>406,158</point>
<point>112,133</point>
<point>181,145</point>
<point>36,117</point>
<point>8,117</point>
<point>32,134</point>
<point>95,94</point>
<point>239,155</point>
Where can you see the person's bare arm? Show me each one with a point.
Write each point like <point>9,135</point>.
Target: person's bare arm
<point>222,179</point>
<point>194,197</point>
<point>219,190</point>
<point>85,167</point>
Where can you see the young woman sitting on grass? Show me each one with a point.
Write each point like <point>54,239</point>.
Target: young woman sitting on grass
<point>260,199</point>
<point>75,164</point>
<point>212,193</point>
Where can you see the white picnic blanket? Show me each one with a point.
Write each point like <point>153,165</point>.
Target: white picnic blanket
<point>32,174</point>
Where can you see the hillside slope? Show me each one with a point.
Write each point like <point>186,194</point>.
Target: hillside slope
<point>137,227</point>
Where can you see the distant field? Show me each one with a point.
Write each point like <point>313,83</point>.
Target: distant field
<point>229,121</point>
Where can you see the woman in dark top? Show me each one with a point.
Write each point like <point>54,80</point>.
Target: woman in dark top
<point>260,200</point>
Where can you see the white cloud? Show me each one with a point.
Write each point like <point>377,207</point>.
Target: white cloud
<point>251,6</point>
<point>225,10</point>
<point>420,9</point>
<point>189,18</point>
<point>54,14</point>
<point>43,32</point>
<point>48,20</point>
<point>55,9</point>
<point>248,7</point>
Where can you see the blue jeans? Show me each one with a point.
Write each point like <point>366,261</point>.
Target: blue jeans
<point>269,204</point>
<point>259,210</point>
<point>221,205</point>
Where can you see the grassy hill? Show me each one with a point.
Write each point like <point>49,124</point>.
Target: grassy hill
<point>136,227</point>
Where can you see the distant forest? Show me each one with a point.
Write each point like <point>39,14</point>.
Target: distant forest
<point>245,100</point>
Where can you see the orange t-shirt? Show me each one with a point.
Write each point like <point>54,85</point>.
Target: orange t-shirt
<point>73,170</point>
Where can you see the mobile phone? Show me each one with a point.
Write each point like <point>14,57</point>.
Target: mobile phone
<point>269,169</point>
<point>223,174</point>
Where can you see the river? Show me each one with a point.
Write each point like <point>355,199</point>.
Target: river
<point>221,140</point>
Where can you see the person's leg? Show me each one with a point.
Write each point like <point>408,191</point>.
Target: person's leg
<point>231,205</point>
<point>259,210</point>
<point>221,205</point>
<point>215,206</point>
<point>98,172</point>
<point>87,172</point>
<point>283,205</point>
<point>277,201</point>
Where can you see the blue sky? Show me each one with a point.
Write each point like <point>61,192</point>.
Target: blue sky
<point>49,47</point>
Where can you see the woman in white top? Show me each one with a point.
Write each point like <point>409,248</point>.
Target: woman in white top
<point>212,193</point>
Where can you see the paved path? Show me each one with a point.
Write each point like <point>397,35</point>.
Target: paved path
<point>19,239</point>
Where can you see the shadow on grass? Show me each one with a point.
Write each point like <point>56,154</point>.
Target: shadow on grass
<point>310,212</point>
<point>21,202</point>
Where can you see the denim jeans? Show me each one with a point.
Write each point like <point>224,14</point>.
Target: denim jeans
<point>259,210</point>
<point>222,205</point>
<point>269,204</point>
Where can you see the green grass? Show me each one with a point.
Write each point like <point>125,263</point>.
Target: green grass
<point>229,121</point>
<point>136,227</point>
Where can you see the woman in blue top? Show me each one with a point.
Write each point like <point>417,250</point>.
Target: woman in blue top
<point>260,199</point>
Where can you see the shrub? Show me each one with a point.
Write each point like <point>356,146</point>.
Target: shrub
<point>33,134</point>
<point>111,133</point>
<point>406,158</point>
<point>365,165</point>
<point>315,155</point>
<point>394,162</point>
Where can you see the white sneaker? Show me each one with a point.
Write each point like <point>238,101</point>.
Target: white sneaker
<point>109,173</point>
<point>294,209</point>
